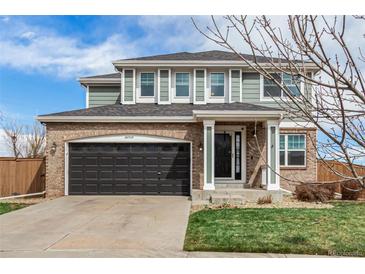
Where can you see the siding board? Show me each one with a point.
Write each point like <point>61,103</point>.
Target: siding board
<point>164,85</point>
<point>235,85</point>
<point>103,95</point>
<point>128,85</point>
<point>199,85</point>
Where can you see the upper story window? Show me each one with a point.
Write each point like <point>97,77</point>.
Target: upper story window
<point>182,84</point>
<point>292,82</point>
<point>147,84</point>
<point>217,84</point>
<point>292,150</point>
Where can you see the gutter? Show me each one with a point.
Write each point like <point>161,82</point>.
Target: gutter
<point>117,119</point>
<point>164,119</point>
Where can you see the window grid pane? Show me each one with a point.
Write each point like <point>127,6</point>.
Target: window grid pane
<point>217,84</point>
<point>292,82</point>
<point>292,153</point>
<point>147,84</point>
<point>271,89</point>
<point>182,84</point>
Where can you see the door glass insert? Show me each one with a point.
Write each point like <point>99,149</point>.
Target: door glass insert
<point>237,158</point>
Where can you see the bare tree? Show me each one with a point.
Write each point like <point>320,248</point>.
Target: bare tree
<point>336,95</point>
<point>13,138</point>
<point>35,140</point>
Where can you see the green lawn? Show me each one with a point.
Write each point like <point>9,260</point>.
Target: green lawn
<point>7,207</point>
<point>335,231</point>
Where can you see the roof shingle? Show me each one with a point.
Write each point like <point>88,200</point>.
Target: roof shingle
<point>158,110</point>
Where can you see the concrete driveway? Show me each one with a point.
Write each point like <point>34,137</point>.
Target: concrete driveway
<point>97,226</point>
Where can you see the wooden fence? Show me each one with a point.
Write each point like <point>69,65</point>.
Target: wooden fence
<point>325,174</point>
<point>21,176</point>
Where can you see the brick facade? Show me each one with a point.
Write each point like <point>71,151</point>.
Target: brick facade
<point>307,173</point>
<point>59,133</point>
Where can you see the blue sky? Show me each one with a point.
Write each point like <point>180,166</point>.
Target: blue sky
<point>42,56</point>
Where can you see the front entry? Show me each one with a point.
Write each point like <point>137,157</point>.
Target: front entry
<point>229,154</point>
<point>223,155</point>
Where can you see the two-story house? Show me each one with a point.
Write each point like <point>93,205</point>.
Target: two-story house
<point>179,124</point>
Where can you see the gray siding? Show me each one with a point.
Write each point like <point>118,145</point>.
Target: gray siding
<point>251,88</point>
<point>199,86</point>
<point>164,85</point>
<point>235,85</point>
<point>103,95</point>
<point>128,85</point>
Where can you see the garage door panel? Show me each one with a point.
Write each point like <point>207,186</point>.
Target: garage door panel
<point>124,169</point>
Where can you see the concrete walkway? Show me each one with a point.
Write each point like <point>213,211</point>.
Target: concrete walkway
<point>131,226</point>
<point>100,226</point>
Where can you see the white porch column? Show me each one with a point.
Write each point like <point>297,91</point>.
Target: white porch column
<point>208,154</point>
<point>273,155</point>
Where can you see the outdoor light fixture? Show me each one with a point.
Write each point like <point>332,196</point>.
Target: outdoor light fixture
<point>53,148</point>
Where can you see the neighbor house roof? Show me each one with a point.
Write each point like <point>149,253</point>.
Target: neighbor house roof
<point>148,111</point>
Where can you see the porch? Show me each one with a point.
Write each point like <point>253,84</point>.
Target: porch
<point>241,160</point>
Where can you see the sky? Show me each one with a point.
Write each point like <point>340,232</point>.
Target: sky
<point>41,57</point>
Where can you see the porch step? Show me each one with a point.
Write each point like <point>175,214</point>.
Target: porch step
<point>234,195</point>
<point>230,199</point>
<point>225,185</point>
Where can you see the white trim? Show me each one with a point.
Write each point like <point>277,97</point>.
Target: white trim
<point>224,114</point>
<point>205,87</point>
<point>66,168</point>
<point>138,139</point>
<point>217,99</point>
<point>129,138</point>
<point>182,99</point>
<point>118,119</point>
<point>123,88</point>
<point>291,124</point>
<point>87,97</point>
<point>206,124</point>
<point>87,81</point>
<point>286,150</point>
<point>147,99</point>
<point>282,97</point>
<point>269,184</point>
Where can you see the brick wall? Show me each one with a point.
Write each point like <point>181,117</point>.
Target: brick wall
<point>59,133</point>
<point>307,173</point>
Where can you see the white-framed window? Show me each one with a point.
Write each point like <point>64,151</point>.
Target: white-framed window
<point>182,84</point>
<point>270,89</point>
<point>147,86</point>
<point>217,84</point>
<point>292,150</point>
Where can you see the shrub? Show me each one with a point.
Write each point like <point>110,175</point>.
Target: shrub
<point>351,190</point>
<point>264,200</point>
<point>315,193</point>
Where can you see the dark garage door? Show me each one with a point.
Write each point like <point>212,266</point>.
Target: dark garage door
<point>136,169</point>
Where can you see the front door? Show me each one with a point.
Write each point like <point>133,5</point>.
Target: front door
<point>223,155</point>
